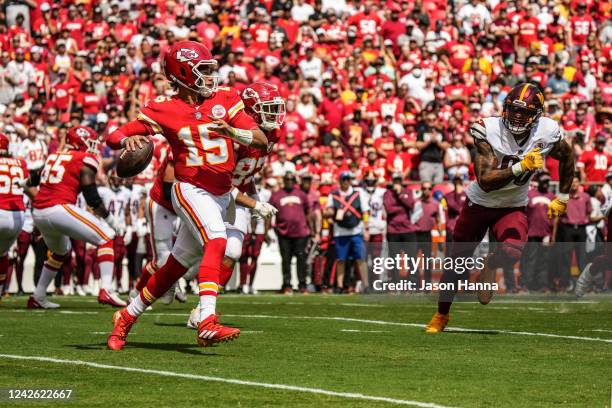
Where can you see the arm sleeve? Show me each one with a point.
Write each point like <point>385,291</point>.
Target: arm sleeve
<point>91,195</point>
<point>133,128</point>
<point>167,187</point>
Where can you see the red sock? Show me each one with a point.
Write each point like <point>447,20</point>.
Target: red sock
<point>163,279</point>
<point>244,271</point>
<point>226,274</point>
<point>4,264</point>
<point>145,275</point>
<point>210,267</point>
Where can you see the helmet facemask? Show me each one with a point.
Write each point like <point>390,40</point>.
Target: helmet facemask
<point>92,146</point>
<point>207,76</point>
<point>272,113</point>
<point>519,119</point>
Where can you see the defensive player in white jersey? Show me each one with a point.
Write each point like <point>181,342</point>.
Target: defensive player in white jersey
<point>510,149</point>
<point>116,197</point>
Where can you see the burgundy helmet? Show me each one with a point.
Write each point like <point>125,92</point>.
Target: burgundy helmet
<point>523,107</point>
<point>265,104</point>
<point>190,64</point>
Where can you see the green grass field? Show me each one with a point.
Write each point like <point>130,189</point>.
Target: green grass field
<point>324,351</point>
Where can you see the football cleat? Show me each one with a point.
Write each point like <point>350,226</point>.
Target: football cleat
<point>180,296</point>
<point>110,298</point>
<point>210,331</point>
<point>487,275</point>
<point>41,303</point>
<point>194,318</point>
<point>123,322</point>
<point>584,280</point>
<point>437,323</point>
<point>168,297</point>
<point>80,290</point>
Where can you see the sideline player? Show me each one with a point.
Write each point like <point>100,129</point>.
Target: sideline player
<point>13,176</point>
<point>55,214</point>
<point>201,122</point>
<point>264,103</point>
<point>511,148</point>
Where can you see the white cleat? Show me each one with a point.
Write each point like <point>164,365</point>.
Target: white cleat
<point>245,289</point>
<point>80,290</point>
<point>194,318</point>
<point>41,303</point>
<point>252,290</point>
<point>168,297</point>
<point>584,281</point>
<point>180,296</point>
<point>110,298</point>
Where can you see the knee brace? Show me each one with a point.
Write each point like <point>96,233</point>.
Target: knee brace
<point>233,249</point>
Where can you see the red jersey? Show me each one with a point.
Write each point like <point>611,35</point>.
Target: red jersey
<point>60,180</point>
<point>250,161</point>
<point>157,191</point>
<point>595,165</point>
<point>12,171</point>
<point>202,157</point>
<point>580,28</point>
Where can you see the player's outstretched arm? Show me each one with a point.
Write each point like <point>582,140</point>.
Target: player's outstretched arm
<point>131,136</point>
<point>489,177</point>
<point>562,152</point>
<point>253,137</point>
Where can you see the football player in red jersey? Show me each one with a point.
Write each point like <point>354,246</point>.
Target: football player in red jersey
<point>13,176</point>
<point>65,174</point>
<point>264,103</point>
<point>200,122</point>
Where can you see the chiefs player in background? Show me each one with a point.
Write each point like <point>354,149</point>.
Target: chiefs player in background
<point>13,177</point>
<point>55,214</point>
<point>201,122</point>
<point>510,150</point>
<point>266,106</point>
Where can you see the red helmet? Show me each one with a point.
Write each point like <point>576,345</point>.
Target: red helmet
<point>83,138</point>
<point>522,108</point>
<point>4,144</point>
<point>265,104</point>
<point>190,64</point>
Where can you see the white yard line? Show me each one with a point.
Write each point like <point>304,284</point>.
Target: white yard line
<point>380,322</point>
<point>363,331</point>
<point>283,387</point>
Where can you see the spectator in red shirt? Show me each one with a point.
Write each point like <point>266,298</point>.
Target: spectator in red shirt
<point>593,164</point>
<point>527,33</point>
<point>331,114</point>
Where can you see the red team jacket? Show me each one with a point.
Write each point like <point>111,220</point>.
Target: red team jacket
<point>60,181</point>
<point>12,171</point>
<point>201,156</point>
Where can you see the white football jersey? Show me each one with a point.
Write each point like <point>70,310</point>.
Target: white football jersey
<point>376,223</point>
<point>115,200</point>
<point>544,135</point>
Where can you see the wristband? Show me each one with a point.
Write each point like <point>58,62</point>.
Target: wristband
<point>242,136</point>
<point>564,197</point>
<point>517,169</point>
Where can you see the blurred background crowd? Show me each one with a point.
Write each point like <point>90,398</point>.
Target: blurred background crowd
<point>378,93</point>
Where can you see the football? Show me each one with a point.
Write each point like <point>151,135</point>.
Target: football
<point>132,163</point>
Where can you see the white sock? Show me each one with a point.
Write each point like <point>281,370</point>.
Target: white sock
<point>45,279</point>
<point>208,306</point>
<point>137,306</point>
<point>106,275</point>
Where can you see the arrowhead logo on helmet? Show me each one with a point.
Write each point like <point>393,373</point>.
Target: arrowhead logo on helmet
<point>186,54</point>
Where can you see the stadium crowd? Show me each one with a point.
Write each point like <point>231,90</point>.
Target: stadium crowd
<point>379,94</point>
